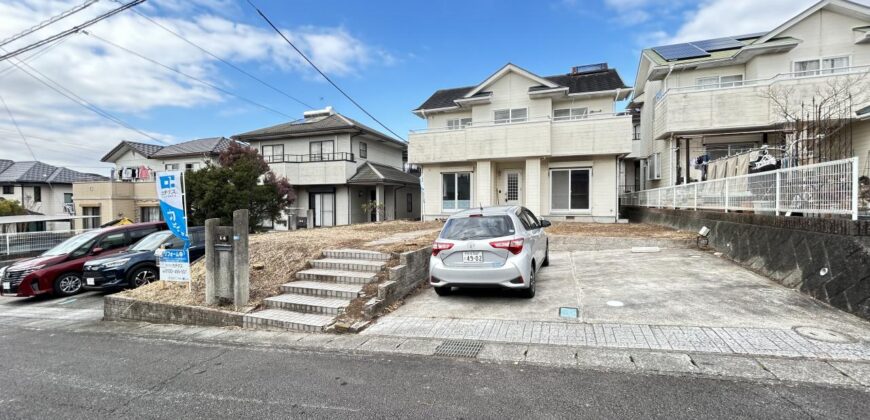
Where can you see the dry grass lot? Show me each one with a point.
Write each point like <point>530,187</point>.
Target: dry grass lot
<point>618,230</point>
<point>282,254</point>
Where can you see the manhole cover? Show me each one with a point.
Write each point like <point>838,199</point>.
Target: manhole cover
<point>821,334</point>
<point>459,348</point>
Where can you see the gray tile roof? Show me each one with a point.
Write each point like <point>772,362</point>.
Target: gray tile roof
<point>144,149</point>
<point>4,164</point>
<point>334,122</point>
<point>208,146</point>
<point>373,173</point>
<point>33,172</point>
<point>576,83</point>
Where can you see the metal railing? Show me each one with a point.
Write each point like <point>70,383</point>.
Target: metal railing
<point>554,120</point>
<point>822,188</point>
<point>800,75</point>
<point>311,157</point>
<point>25,243</point>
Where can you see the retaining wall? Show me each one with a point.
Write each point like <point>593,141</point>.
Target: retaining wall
<point>828,259</point>
<point>412,271</point>
<point>116,308</point>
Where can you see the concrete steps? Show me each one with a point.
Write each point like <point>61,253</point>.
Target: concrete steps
<point>321,293</point>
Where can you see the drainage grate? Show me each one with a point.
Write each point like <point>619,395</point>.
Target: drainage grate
<point>459,348</point>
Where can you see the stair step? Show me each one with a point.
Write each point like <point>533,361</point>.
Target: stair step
<point>348,265</point>
<point>288,320</point>
<point>324,289</point>
<point>356,254</point>
<point>308,304</point>
<point>337,276</point>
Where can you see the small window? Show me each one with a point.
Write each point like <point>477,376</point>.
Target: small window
<point>707,82</point>
<point>273,153</point>
<point>505,116</point>
<point>150,214</point>
<point>190,166</point>
<point>731,81</point>
<point>171,166</point>
<point>67,198</point>
<point>92,217</point>
<point>456,191</point>
<point>37,194</point>
<point>8,189</point>
<point>363,150</point>
<point>458,123</point>
<point>410,202</point>
<point>654,166</point>
<point>570,114</point>
<point>835,65</point>
<point>806,68</point>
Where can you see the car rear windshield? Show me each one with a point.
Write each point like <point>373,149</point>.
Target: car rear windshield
<point>481,227</point>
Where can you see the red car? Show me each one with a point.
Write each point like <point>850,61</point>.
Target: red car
<point>58,271</point>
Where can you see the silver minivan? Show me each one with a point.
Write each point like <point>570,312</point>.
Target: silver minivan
<point>489,247</point>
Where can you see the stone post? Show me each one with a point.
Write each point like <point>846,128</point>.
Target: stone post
<point>291,220</point>
<point>210,261</point>
<point>241,264</point>
<point>310,219</point>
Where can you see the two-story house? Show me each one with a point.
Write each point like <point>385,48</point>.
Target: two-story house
<point>130,191</point>
<point>336,165</point>
<point>708,107</point>
<point>552,144</point>
<point>42,189</point>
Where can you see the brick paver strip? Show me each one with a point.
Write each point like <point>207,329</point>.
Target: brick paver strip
<point>722,340</point>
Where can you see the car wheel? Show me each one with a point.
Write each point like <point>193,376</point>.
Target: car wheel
<point>443,290</point>
<point>529,292</point>
<point>546,262</point>
<point>68,284</point>
<point>142,276</point>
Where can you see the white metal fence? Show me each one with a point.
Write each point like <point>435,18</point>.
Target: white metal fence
<point>822,188</point>
<point>32,242</point>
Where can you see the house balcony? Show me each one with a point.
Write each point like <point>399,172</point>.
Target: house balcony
<point>745,105</point>
<point>593,134</point>
<point>314,169</point>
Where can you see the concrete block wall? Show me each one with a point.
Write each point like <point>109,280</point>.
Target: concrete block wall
<point>116,308</point>
<point>412,271</point>
<point>828,259</point>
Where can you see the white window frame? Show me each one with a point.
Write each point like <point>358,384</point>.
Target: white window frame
<point>171,166</point>
<point>511,118</point>
<point>363,150</point>
<point>654,167</point>
<point>270,157</point>
<point>458,123</point>
<point>570,210</point>
<point>456,195</point>
<point>821,70</point>
<point>715,82</point>
<point>573,113</point>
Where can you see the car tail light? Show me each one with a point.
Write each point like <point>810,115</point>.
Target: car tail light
<point>440,246</point>
<point>515,246</point>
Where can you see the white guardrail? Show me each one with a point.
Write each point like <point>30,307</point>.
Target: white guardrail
<point>822,188</point>
<point>31,242</point>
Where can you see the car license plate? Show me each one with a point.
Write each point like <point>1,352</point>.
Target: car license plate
<point>7,285</point>
<point>472,257</point>
<point>89,281</point>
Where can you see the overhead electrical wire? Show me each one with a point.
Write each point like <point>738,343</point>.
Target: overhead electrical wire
<point>346,95</point>
<point>228,63</point>
<point>49,21</point>
<point>17,128</point>
<point>211,85</point>
<point>70,31</point>
<point>31,57</point>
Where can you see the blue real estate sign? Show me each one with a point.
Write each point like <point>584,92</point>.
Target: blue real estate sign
<point>174,263</point>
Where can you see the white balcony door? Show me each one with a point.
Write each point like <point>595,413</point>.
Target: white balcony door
<point>324,209</point>
<point>511,188</point>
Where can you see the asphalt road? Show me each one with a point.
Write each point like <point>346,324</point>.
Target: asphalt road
<point>56,374</point>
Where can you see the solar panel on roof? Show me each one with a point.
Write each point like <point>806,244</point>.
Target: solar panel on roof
<point>680,52</point>
<point>718,44</point>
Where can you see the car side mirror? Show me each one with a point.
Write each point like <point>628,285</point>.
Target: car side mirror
<point>545,223</point>
<point>97,251</point>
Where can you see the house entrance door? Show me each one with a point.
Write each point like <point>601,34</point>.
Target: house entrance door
<point>512,187</point>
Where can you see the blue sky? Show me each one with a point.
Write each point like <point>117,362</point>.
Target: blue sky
<point>389,55</point>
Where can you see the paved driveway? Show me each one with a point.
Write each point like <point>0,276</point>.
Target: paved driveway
<point>82,307</point>
<point>676,299</point>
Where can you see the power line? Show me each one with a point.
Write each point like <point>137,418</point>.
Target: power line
<point>17,128</point>
<point>216,57</point>
<point>49,21</point>
<point>78,99</point>
<point>70,31</point>
<point>319,71</point>
<point>32,57</point>
<point>250,101</point>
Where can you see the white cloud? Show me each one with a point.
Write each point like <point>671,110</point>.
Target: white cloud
<point>716,18</point>
<point>124,84</point>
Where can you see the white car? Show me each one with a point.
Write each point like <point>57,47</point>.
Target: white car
<point>490,247</point>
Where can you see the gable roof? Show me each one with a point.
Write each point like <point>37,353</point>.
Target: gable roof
<point>208,146</point>
<point>590,82</point>
<point>843,6</point>
<point>34,172</point>
<point>332,123</point>
<point>373,173</point>
<point>144,149</point>
<point>510,67</point>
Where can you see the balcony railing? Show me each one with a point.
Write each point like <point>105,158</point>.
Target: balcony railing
<point>311,157</point>
<point>501,123</point>
<point>827,188</point>
<point>781,77</point>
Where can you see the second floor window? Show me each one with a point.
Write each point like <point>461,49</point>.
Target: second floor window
<point>37,194</point>
<point>505,116</point>
<point>815,67</point>
<point>570,113</point>
<point>171,166</point>
<point>321,150</point>
<point>8,189</point>
<point>458,123</point>
<point>273,153</point>
<point>363,150</point>
<point>714,82</point>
